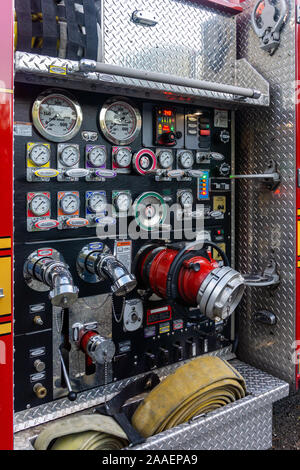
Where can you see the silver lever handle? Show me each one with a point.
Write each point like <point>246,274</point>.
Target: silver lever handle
<point>2,295</point>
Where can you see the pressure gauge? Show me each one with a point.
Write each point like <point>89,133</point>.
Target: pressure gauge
<point>144,161</point>
<point>69,203</point>
<point>70,155</point>
<point>165,159</point>
<point>97,156</point>
<point>97,202</point>
<point>40,155</point>
<point>120,121</point>
<point>186,159</point>
<point>186,199</point>
<point>123,202</point>
<point>57,116</point>
<point>40,205</point>
<point>123,157</point>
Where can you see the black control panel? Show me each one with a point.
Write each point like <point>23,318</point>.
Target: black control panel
<point>84,164</point>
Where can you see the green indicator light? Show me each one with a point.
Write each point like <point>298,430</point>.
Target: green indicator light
<point>208,126</point>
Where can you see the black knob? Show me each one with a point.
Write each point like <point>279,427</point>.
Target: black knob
<point>72,396</point>
<point>169,139</point>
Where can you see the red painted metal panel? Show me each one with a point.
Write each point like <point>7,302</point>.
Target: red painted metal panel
<point>297,97</point>
<point>231,6</point>
<point>6,226</point>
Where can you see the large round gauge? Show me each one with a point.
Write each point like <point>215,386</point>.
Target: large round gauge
<point>40,155</point>
<point>40,205</point>
<point>150,210</point>
<point>165,159</point>
<point>123,157</point>
<point>97,157</point>
<point>120,121</point>
<point>186,159</point>
<point>69,203</point>
<point>70,156</point>
<point>97,202</point>
<point>57,116</point>
<point>123,202</point>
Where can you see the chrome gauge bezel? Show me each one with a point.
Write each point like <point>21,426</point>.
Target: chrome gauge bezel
<point>102,120</point>
<point>36,115</point>
<point>43,196</point>
<point>64,197</point>
<point>90,205</point>
<point>61,156</point>
<point>47,149</point>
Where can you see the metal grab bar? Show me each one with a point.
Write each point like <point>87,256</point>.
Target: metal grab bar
<point>86,65</point>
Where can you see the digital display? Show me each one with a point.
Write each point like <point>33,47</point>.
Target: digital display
<point>165,122</point>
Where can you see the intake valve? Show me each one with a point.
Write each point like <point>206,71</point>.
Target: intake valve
<point>192,277</point>
<point>46,270</point>
<point>98,265</point>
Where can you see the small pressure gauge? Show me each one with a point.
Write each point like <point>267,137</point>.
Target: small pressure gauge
<point>186,199</point>
<point>69,203</point>
<point>123,202</point>
<point>186,159</point>
<point>40,155</point>
<point>123,157</point>
<point>40,205</point>
<point>97,202</point>
<point>165,159</point>
<point>97,156</point>
<point>70,156</point>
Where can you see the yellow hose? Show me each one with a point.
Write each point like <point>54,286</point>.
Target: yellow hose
<point>84,432</point>
<point>203,385</point>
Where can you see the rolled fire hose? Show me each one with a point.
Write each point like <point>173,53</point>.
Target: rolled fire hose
<point>86,432</point>
<point>203,385</point>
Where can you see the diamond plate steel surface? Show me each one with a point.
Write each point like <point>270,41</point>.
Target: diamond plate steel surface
<point>266,221</point>
<point>245,424</point>
<point>189,40</point>
<point>63,407</point>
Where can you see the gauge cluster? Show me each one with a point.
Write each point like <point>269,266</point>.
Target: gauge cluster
<point>95,161</point>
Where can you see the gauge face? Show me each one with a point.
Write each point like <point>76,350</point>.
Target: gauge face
<point>120,121</point>
<point>165,159</point>
<point>69,203</point>
<point>123,202</point>
<point>150,210</point>
<point>97,157</point>
<point>186,159</point>
<point>70,156</point>
<point>123,158</point>
<point>145,162</point>
<point>186,199</point>
<point>97,202</point>
<point>40,155</point>
<point>57,116</point>
<point>40,205</point>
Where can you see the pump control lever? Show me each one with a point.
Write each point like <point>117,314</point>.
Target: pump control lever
<point>72,396</point>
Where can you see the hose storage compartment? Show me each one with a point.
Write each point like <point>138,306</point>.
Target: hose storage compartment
<point>201,386</point>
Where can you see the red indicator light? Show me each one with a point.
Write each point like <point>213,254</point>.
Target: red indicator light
<point>166,128</point>
<point>167,112</point>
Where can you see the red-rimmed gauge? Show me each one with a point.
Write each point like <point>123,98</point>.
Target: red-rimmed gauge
<point>144,161</point>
